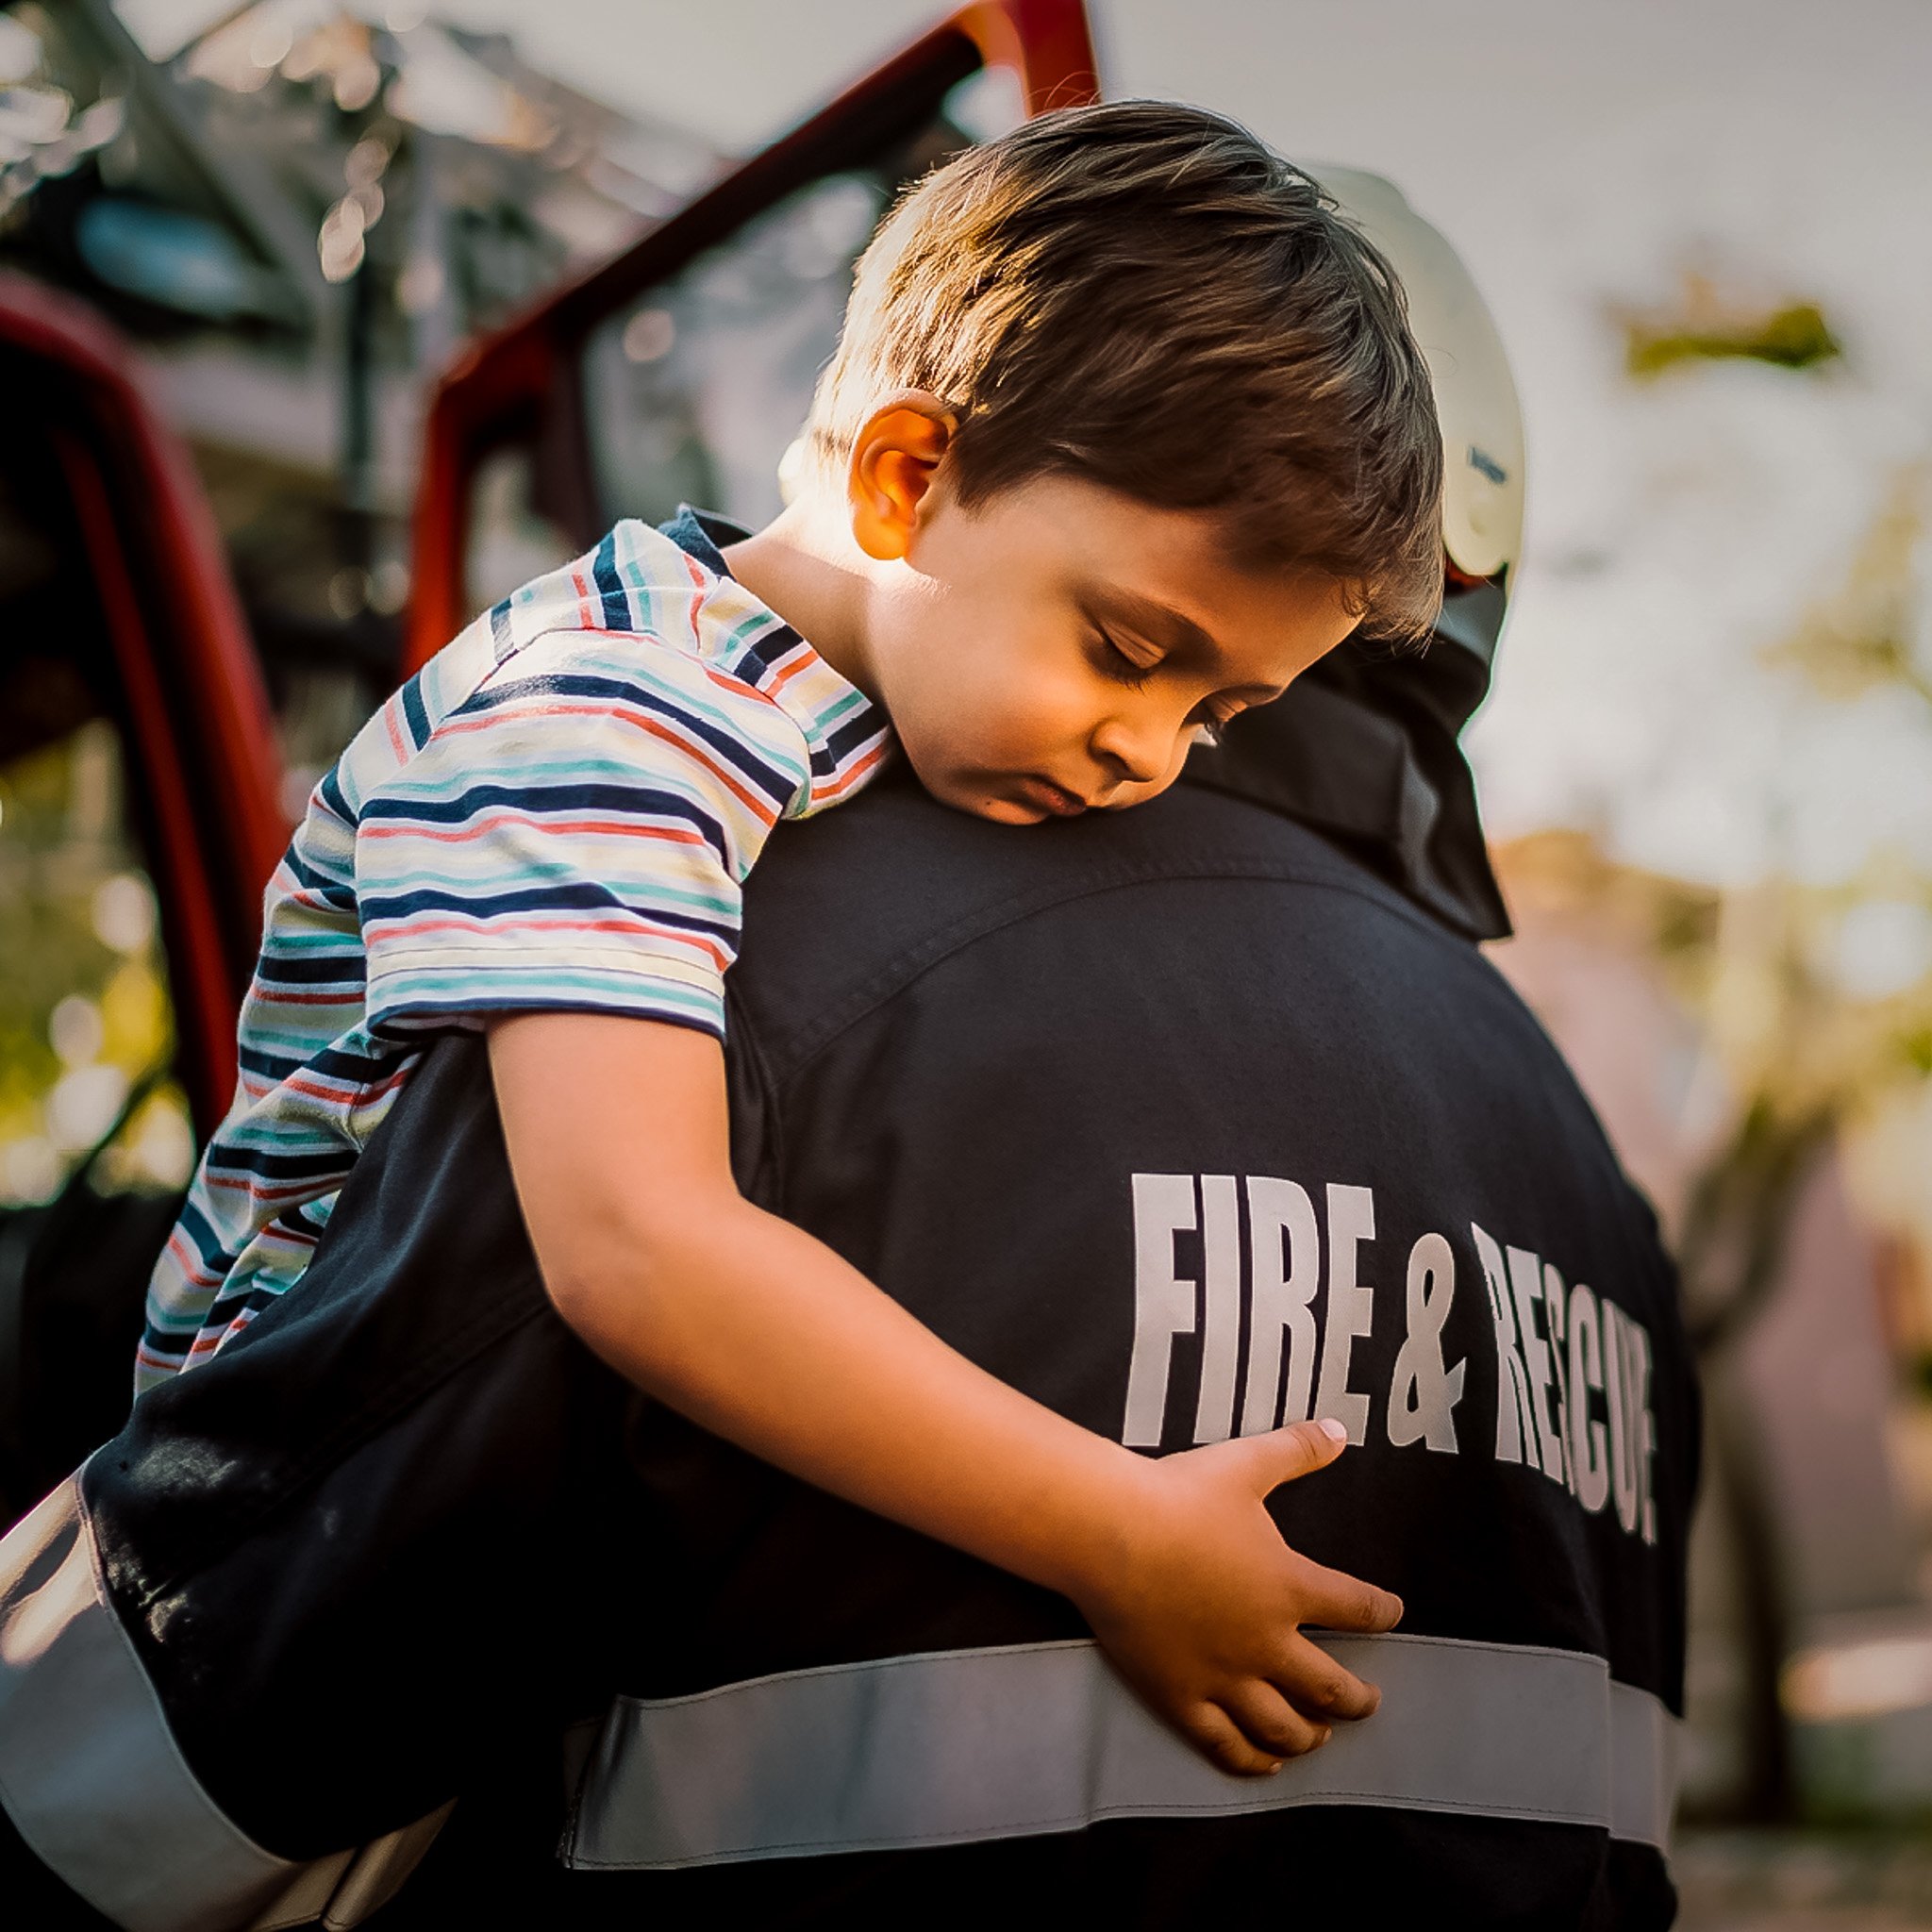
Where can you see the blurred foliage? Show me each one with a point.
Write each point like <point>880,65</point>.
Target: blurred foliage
<point>1864,638</point>
<point>83,1009</point>
<point>1818,999</point>
<point>1814,1009</point>
<point>1704,327</point>
<point>1811,1001</point>
<point>1917,1046</point>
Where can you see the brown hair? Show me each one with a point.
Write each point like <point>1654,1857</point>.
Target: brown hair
<point>1144,295</point>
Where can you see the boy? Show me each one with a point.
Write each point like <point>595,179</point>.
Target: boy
<point>1125,430</point>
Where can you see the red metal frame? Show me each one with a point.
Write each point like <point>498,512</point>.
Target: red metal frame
<point>204,748</point>
<point>1047,44</point>
<point>204,739</point>
<point>201,991</point>
<point>498,390</point>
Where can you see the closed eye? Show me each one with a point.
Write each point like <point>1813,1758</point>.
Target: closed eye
<point>1116,663</point>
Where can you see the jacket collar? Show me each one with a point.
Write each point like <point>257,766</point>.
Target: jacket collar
<point>1365,748</point>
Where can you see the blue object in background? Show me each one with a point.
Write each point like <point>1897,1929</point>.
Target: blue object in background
<point>176,259</point>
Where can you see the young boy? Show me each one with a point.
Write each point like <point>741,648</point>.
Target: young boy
<point>1125,430</point>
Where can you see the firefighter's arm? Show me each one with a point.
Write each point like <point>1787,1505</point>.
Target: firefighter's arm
<point>617,1137</point>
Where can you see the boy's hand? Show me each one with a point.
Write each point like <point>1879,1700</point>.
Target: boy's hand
<point>1199,1609</point>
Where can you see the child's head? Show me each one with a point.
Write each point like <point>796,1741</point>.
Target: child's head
<point>1130,425</point>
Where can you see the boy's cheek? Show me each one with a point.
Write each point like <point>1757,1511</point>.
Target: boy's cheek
<point>962,737</point>
<point>941,775</point>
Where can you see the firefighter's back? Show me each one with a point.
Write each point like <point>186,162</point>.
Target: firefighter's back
<point>1185,1124</point>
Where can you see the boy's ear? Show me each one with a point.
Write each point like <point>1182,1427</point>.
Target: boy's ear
<point>895,456</point>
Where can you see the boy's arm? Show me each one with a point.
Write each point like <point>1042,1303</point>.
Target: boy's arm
<point>617,1137</point>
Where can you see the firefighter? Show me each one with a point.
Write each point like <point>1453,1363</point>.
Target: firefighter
<point>1188,1122</point>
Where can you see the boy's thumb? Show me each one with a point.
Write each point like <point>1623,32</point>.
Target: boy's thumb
<point>1298,1450</point>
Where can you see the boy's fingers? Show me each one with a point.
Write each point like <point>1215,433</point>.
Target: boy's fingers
<point>1315,1684</point>
<point>1266,1719</point>
<point>1216,1734</point>
<point>1283,1455</point>
<point>1340,1602</point>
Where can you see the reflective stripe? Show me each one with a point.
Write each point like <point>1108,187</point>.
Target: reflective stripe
<point>958,1745</point>
<point>88,1771</point>
<point>1643,1766</point>
<point>93,1780</point>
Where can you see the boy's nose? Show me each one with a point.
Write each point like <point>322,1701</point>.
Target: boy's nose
<point>1134,754</point>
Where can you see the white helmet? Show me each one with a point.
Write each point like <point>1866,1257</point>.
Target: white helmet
<point>1365,744</point>
<point>1475,398</point>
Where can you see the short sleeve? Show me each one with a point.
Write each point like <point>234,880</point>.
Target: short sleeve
<point>574,836</point>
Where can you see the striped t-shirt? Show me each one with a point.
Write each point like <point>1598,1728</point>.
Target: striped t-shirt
<point>556,812</point>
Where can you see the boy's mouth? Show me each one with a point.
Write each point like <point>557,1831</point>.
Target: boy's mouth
<point>1050,797</point>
